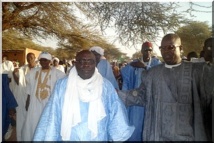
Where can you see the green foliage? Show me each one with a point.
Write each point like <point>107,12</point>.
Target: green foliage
<point>193,36</point>
<point>57,19</point>
<point>135,21</point>
<point>13,40</point>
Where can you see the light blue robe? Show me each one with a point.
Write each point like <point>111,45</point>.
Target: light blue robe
<point>105,70</point>
<point>112,127</point>
<point>132,78</point>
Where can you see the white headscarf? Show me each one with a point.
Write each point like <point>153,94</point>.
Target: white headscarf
<point>97,49</point>
<point>89,90</point>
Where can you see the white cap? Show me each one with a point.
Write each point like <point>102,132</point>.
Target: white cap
<point>97,49</point>
<point>56,59</point>
<point>45,55</point>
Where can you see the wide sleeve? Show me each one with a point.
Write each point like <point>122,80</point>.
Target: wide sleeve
<point>105,69</point>
<point>118,128</point>
<point>48,128</point>
<point>128,75</point>
<point>31,79</point>
<point>7,94</point>
<point>136,97</point>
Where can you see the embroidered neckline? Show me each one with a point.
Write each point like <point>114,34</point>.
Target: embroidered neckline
<point>42,87</point>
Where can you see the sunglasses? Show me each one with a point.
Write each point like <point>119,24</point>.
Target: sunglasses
<point>168,48</point>
<point>86,61</point>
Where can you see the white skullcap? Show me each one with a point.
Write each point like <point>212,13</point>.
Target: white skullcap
<point>97,49</point>
<point>45,55</point>
<point>56,59</point>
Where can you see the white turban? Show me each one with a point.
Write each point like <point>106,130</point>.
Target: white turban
<point>97,49</point>
<point>45,55</point>
<point>56,59</point>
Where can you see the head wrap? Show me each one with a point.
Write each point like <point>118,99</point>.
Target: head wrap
<point>97,49</point>
<point>45,55</point>
<point>56,59</point>
<point>147,45</point>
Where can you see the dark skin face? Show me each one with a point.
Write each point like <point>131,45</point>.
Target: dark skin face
<point>45,63</point>
<point>31,59</point>
<point>171,50</point>
<point>55,63</point>
<point>4,58</point>
<point>147,53</point>
<point>85,64</point>
<point>208,51</point>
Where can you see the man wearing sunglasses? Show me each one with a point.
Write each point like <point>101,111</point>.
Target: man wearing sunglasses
<point>132,76</point>
<point>170,93</point>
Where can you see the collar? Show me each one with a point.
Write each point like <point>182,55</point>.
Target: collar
<point>172,66</point>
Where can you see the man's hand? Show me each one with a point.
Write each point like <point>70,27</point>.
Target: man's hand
<point>138,64</point>
<point>16,70</point>
<point>16,78</point>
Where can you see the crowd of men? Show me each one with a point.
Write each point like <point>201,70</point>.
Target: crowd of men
<point>145,100</point>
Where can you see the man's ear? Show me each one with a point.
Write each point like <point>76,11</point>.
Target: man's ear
<point>181,49</point>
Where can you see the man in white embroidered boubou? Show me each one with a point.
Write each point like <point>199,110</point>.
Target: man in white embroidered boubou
<point>40,83</point>
<point>84,107</point>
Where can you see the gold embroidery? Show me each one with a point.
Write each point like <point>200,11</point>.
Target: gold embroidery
<point>42,87</point>
<point>43,94</point>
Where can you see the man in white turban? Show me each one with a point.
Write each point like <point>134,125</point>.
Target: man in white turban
<point>84,106</point>
<point>40,83</point>
<point>57,65</point>
<point>103,66</point>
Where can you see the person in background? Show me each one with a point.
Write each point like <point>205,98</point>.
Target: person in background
<point>15,64</point>
<point>191,56</point>
<point>207,88</point>
<point>84,106</point>
<point>132,78</point>
<point>57,65</point>
<point>9,105</point>
<point>170,92</point>
<point>201,59</point>
<point>40,83</point>
<point>20,91</point>
<point>7,68</point>
<point>103,66</point>
<point>71,64</point>
<point>115,69</point>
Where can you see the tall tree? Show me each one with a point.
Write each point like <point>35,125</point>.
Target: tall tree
<point>57,19</point>
<point>135,21</point>
<point>193,36</point>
